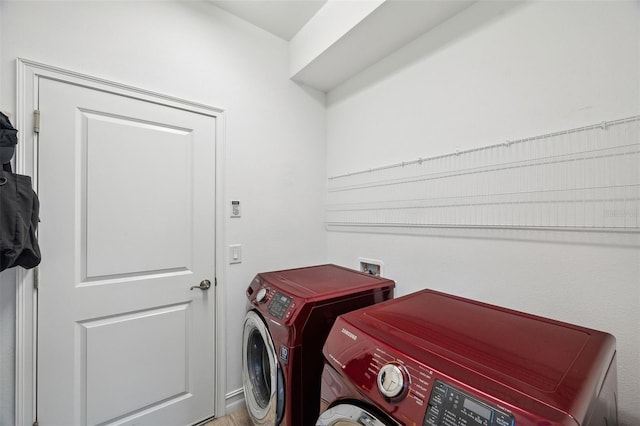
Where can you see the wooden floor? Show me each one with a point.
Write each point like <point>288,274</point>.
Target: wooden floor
<point>237,418</point>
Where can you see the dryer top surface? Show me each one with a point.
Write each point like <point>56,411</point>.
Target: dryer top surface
<point>323,282</point>
<point>510,346</point>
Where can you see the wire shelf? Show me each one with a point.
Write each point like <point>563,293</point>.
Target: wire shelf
<point>584,178</point>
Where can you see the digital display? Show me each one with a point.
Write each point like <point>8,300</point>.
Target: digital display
<point>477,408</point>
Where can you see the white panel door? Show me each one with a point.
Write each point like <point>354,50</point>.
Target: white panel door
<point>127,198</point>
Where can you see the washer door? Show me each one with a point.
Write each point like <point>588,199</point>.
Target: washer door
<point>348,415</point>
<point>261,374</point>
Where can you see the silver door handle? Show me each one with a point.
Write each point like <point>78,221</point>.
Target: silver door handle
<point>204,285</point>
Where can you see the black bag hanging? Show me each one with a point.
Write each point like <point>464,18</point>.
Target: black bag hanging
<point>19,208</point>
<point>8,139</point>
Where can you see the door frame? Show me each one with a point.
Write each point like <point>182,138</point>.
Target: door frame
<point>28,74</point>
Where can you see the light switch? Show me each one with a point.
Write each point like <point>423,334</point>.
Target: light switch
<point>235,253</point>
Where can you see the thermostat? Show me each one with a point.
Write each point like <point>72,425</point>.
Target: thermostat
<point>235,209</point>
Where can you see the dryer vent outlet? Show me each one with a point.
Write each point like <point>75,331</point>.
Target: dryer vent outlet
<point>371,266</point>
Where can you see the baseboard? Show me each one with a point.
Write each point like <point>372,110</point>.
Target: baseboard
<point>234,401</point>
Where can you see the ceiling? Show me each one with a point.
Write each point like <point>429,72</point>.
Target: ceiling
<point>347,36</point>
<point>284,18</point>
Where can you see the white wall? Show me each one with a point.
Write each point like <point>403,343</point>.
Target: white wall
<point>7,328</point>
<point>502,72</point>
<point>275,129</point>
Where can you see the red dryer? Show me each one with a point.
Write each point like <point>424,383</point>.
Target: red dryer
<point>432,359</point>
<point>289,314</point>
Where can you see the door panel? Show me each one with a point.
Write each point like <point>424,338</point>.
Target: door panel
<point>134,369</point>
<point>136,203</point>
<point>127,195</point>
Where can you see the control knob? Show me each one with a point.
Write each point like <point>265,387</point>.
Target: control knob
<point>261,295</point>
<point>392,380</point>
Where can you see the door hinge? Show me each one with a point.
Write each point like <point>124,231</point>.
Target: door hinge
<point>215,281</point>
<point>36,121</point>
<point>36,277</point>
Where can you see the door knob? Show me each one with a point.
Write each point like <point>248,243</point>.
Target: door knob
<point>204,285</point>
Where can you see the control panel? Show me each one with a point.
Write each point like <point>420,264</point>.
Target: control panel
<point>279,305</point>
<point>449,406</point>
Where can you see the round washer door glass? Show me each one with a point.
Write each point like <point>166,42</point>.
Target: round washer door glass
<point>347,415</point>
<point>259,370</point>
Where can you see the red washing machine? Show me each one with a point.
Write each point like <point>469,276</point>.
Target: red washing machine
<point>289,314</point>
<point>431,359</point>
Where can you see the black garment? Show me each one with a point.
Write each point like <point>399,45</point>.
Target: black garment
<point>8,139</point>
<point>19,207</point>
